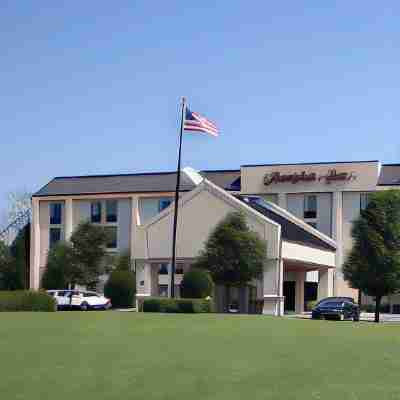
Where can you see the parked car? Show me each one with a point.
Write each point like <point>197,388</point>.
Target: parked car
<point>78,299</point>
<point>336,308</point>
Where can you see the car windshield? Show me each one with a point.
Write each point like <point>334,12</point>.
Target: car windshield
<point>332,304</point>
<point>90,294</point>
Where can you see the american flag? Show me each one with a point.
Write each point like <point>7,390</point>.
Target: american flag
<point>196,122</point>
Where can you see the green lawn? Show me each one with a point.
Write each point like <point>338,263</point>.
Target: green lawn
<point>111,355</point>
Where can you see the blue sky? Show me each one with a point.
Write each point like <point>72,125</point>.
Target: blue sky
<point>94,87</point>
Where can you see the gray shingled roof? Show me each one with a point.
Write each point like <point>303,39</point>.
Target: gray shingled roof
<point>130,183</point>
<point>390,175</point>
<point>290,231</point>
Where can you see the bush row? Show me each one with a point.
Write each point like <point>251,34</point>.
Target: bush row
<point>164,305</point>
<point>26,301</point>
<point>370,308</point>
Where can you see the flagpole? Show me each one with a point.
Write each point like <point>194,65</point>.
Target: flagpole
<point>178,180</point>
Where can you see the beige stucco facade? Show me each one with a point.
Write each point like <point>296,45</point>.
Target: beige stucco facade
<point>338,191</point>
<point>338,188</point>
<point>149,240</point>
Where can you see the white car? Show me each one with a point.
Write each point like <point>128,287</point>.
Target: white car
<point>83,300</point>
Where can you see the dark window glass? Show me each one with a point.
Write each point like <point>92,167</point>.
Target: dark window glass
<point>179,269</point>
<point>55,236</point>
<point>112,242</point>
<point>163,290</point>
<point>364,200</point>
<point>111,210</point>
<point>310,206</point>
<point>163,269</point>
<point>163,204</point>
<point>55,213</point>
<point>95,212</point>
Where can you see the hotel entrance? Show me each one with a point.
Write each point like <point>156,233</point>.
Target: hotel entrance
<point>289,293</point>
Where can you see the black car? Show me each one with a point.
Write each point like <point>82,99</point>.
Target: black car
<point>336,308</point>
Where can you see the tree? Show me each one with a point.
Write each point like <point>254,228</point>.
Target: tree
<point>121,288</point>
<point>14,261</point>
<point>123,261</point>
<point>373,265</point>
<point>18,202</point>
<point>20,253</point>
<point>6,271</point>
<point>60,268</point>
<point>196,284</point>
<point>233,254</point>
<point>89,248</point>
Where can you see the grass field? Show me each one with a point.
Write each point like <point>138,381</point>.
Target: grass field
<point>111,355</point>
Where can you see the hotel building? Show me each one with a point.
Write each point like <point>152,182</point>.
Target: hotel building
<point>304,212</point>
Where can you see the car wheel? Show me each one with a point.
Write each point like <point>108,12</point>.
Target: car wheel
<point>84,306</point>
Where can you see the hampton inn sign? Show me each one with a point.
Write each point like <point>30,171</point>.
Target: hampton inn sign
<point>331,176</point>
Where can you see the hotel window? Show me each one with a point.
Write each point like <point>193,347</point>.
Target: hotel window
<point>164,203</point>
<point>310,206</point>
<point>163,290</point>
<point>364,200</point>
<point>95,212</point>
<point>179,269</point>
<point>55,213</point>
<point>55,236</point>
<point>163,270</point>
<point>111,210</point>
<point>112,237</point>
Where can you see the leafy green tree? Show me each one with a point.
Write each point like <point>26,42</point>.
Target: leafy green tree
<point>123,261</point>
<point>233,254</point>
<point>14,263</point>
<point>373,265</point>
<point>60,270</point>
<point>196,284</point>
<point>20,253</point>
<point>7,274</point>
<point>89,248</point>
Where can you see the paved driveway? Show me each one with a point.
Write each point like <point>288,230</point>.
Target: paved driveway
<point>363,317</point>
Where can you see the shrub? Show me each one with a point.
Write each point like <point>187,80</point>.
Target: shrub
<point>121,288</point>
<point>196,284</point>
<point>151,305</point>
<point>26,301</point>
<point>311,304</point>
<point>370,308</point>
<point>188,306</point>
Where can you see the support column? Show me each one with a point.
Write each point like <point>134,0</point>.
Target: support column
<point>68,219</point>
<point>325,284</point>
<point>35,247</point>
<point>135,223</point>
<point>337,232</point>
<point>300,279</point>
<point>143,283</point>
<point>282,200</point>
<point>273,299</point>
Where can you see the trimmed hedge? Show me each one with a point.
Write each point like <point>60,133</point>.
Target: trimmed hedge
<point>25,300</point>
<point>370,308</point>
<point>188,306</point>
